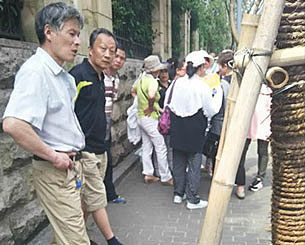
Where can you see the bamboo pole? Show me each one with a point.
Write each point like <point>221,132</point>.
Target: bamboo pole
<point>223,180</point>
<point>288,57</point>
<point>232,22</point>
<point>277,77</point>
<point>248,30</point>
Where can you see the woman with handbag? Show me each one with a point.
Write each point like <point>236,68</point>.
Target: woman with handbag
<point>146,89</point>
<point>179,67</point>
<point>191,104</point>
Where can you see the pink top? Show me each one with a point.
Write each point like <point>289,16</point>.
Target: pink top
<point>261,119</point>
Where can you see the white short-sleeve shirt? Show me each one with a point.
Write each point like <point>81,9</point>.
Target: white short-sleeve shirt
<point>43,96</point>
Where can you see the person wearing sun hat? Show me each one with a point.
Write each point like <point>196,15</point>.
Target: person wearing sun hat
<point>191,104</point>
<point>146,89</point>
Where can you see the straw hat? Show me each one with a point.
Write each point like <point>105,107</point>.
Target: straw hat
<point>152,63</point>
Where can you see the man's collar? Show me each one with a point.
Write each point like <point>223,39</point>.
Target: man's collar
<point>49,61</point>
<point>110,73</point>
<point>91,68</point>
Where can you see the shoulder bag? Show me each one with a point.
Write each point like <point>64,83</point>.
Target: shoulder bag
<point>164,120</point>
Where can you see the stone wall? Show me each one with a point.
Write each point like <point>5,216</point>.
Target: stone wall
<point>20,213</point>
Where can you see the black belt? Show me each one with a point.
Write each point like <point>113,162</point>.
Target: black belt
<point>78,156</point>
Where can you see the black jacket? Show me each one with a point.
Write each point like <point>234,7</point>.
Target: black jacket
<point>90,106</point>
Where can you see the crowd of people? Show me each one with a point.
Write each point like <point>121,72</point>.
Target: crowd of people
<point>195,89</point>
<point>64,119</point>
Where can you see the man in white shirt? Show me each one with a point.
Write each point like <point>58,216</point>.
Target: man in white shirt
<point>40,118</point>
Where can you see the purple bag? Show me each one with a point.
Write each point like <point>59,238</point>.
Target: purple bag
<point>164,120</point>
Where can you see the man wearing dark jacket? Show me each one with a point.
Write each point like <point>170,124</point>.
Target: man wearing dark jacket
<point>90,110</point>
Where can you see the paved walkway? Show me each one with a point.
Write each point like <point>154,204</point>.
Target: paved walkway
<point>150,217</point>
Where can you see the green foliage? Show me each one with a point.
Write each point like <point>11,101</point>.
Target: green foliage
<point>177,10</point>
<point>213,26</point>
<point>132,20</point>
<point>10,18</point>
<point>179,7</point>
<point>209,17</point>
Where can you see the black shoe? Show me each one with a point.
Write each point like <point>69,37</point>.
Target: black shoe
<point>256,185</point>
<point>93,242</point>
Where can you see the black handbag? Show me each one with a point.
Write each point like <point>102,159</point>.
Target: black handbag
<point>211,145</point>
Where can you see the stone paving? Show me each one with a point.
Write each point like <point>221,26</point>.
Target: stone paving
<point>150,217</point>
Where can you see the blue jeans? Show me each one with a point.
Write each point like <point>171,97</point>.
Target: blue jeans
<point>187,182</point>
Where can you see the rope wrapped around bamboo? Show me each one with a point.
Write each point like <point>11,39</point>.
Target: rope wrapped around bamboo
<point>295,70</point>
<point>291,35</point>
<point>298,212</point>
<point>284,169</point>
<point>295,4</point>
<point>292,174</point>
<point>293,16</point>
<point>293,169</point>
<point>289,128</point>
<point>287,190</point>
<point>286,121</point>
<point>289,200</point>
<point>290,205</point>
<point>285,243</point>
<point>291,43</point>
<point>293,134</point>
<point>290,219</point>
<point>289,106</point>
<point>290,156</point>
<point>298,77</point>
<point>296,219</point>
<point>279,242</point>
<point>291,222</point>
<point>287,97</point>
<point>297,231</point>
<point>284,161</point>
<point>292,22</point>
<point>291,98</point>
<point>288,28</point>
<point>283,165</point>
<point>290,147</point>
<point>288,137</point>
<point>292,113</point>
<point>289,163</point>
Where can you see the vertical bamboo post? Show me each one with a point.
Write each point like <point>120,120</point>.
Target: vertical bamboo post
<point>248,30</point>
<point>223,180</point>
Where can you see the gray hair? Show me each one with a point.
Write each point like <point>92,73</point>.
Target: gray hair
<point>55,15</point>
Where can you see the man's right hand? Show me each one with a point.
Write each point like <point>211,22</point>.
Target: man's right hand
<point>62,160</point>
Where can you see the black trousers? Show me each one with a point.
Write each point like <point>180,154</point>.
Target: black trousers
<point>108,180</point>
<point>262,151</point>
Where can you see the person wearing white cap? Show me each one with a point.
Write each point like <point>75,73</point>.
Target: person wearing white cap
<point>191,104</point>
<point>146,89</point>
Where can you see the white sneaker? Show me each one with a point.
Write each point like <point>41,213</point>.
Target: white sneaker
<point>201,204</point>
<point>256,185</point>
<point>177,199</point>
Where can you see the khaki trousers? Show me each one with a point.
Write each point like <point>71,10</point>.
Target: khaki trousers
<point>56,190</point>
<point>94,169</point>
